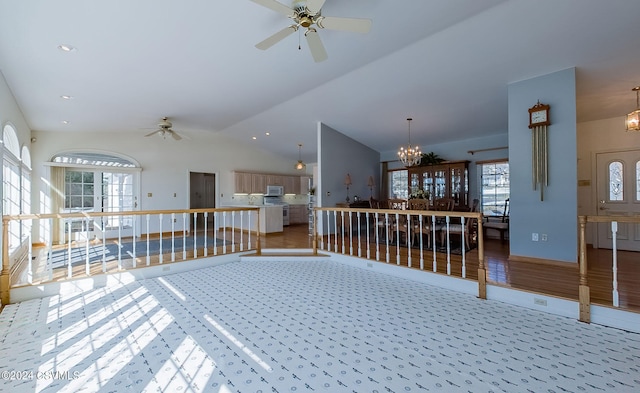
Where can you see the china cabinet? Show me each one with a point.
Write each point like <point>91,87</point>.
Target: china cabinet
<point>448,179</point>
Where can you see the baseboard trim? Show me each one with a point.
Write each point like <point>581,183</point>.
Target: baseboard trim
<point>543,261</point>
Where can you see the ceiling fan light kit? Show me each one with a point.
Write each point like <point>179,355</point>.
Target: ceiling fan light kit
<point>164,129</point>
<point>307,14</point>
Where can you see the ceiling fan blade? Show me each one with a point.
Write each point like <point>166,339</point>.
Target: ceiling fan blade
<point>154,132</point>
<point>275,6</point>
<point>355,25</point>
<point>314,6</point>
<point>315,46</point>
<point>277,37</point>
<point>175,135</point>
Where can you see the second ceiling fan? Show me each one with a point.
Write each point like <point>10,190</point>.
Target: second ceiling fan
<point>307,14</point>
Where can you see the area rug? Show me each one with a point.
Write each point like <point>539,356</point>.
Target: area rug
<point>113,249</point>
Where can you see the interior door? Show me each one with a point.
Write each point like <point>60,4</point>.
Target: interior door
<point>118,194</point>
<point>618,192</point>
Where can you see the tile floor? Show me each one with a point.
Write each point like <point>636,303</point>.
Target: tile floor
<point>291,326</point>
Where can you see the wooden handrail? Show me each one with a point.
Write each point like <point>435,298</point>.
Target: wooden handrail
<point>126,213</point>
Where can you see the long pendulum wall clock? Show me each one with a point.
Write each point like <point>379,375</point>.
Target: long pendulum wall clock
<point>538,122</point>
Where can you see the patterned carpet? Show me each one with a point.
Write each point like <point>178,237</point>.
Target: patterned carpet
<point>292,326</point>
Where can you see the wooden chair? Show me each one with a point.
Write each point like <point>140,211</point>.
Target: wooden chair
<point>502,225</point>
<point>398,204</point>
<point>418,230</point>
<point>381,224</point>
<point>465,232</point>
<point>443,204</point>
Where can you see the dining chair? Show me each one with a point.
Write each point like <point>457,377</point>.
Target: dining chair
<point>465,232</point>
<point>501,225</point>
<point>419,231</point>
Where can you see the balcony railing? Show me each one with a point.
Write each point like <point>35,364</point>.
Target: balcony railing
<point>610,225</point>
<point>440,241</point>
<point>39,248</point>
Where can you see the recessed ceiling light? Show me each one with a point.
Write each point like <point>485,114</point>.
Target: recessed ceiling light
<point>65,122</point>
<point>254,137</point>
<point>65,97</point>
<point>66,48</point>
<point>267,133</point>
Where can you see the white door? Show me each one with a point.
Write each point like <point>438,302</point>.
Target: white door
<point>117,196</point>
<point>618,191</point>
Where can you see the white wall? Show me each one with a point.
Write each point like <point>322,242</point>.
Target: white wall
<point>165,163</point>
<point>600,136</point>
<point>11,113</point>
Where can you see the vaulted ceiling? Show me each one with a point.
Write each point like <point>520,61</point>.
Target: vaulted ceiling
<point>446,63</point>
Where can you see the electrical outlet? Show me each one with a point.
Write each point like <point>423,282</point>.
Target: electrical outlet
<point>539,302</point>
<point>534,237</point>
<point>543,237</point>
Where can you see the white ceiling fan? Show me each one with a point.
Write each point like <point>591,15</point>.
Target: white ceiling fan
<point>164,129</point>
<point>307,13</point>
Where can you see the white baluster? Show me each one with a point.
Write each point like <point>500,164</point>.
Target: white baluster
<point>206,233</point>
<point>614,235</point>
<point>464,246</point>
<point>87,266</point>
<point>134,239</point>
<point>184,236</point>
<point>148,218</point>
<point>433,242</point>
<point>160,260</point>
<point>173,237</point>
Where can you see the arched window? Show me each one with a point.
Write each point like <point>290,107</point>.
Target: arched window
<point>90,181</point>
<point>12,184</point>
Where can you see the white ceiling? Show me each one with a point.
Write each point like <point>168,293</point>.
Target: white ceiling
<point>446,63</point>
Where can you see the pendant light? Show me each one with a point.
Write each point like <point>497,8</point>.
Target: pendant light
<point>633,118</point>
<point>300,165</point>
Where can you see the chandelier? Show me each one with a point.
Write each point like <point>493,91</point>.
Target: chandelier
<point>410,155</point>
<point>300,165</point>
<point>633,118</point>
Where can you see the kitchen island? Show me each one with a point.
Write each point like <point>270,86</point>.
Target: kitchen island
<point>270,219</point>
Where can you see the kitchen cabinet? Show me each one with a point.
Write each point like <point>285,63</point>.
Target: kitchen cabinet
<point>275,180</point>
<point>291,184</point>
<point>243,182</point>
<point>449,179</point>
<point>258,183</point>
<point>298,214</point>
<point>304,184</point>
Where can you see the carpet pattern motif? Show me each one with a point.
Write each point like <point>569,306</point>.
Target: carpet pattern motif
<point>287,326</point>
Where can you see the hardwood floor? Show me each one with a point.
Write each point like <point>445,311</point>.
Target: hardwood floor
<point>555,279</point>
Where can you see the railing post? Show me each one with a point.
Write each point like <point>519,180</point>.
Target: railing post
<point>314,241</point>
<point>258,235</point>
<point>584,296</point>
<point>482,270</point>
<point>5,294</point>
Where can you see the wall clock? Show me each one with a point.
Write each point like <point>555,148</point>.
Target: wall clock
<point>538,122</point>
<point>539,115</point>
